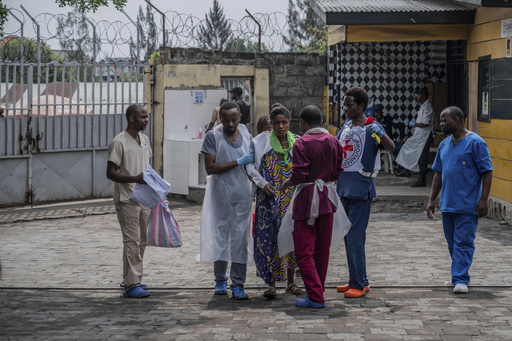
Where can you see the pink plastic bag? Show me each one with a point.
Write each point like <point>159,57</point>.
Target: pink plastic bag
<point>163,229</point>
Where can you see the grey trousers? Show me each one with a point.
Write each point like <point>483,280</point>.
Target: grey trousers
<point>237,274</point>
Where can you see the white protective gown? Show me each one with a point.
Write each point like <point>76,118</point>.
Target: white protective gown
<point>411,150</point>
<point>226,215</point>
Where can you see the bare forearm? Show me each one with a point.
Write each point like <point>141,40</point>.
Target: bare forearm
<point>115,175</point>
<point>486,185</point>
<point>436,187</point>
<point>219,168</point>
<point>388,144</point>
<point>421,125</point>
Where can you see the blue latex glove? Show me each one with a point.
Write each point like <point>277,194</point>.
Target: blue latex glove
<point>374,128</point>
<point>246,159</point>
<point>412,123</point>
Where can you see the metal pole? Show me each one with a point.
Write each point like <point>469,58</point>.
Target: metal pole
<point>138,35</point>
<point>163,20</point>
<point>93,38</point>
<point>259,29</point>
<point>38,36</point>
<point>21,46</point>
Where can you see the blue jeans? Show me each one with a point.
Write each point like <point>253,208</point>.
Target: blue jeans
<point>460,232</point>
<point>358,212</point>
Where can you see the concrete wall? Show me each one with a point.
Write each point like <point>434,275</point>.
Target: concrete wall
<point>292,79</point>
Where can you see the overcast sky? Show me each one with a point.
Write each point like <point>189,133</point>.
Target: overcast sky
<point>233,9</point>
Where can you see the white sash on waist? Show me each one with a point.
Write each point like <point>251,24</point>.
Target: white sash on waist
<point>341,224</point>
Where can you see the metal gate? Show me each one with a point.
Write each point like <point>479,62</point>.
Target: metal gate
<point>57,122</point>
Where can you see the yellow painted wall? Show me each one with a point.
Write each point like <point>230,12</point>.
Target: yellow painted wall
<point>485,35</point>
<point>497,135</point>
<point>188,76</point>
<point>375,33</point>
<point>485,39</point>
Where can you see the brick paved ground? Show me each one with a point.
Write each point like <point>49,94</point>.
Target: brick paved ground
<point>60,280</point>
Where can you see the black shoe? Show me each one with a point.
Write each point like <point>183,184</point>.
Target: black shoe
<point>404,173</point>
<point>419,183</point>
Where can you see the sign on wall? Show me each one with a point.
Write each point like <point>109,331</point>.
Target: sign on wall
<point>506,28</point>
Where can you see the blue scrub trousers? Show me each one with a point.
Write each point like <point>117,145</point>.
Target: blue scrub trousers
<point>358,212</point>
<point>460,232</point>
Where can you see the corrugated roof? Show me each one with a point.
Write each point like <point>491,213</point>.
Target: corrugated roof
<point>358,6</point>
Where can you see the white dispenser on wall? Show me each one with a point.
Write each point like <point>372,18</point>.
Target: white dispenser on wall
<point>187,113</point>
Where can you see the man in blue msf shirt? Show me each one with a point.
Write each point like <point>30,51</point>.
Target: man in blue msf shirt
<point>463,176</point>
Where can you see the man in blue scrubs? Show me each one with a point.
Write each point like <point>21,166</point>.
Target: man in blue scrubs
<point>463,176</point>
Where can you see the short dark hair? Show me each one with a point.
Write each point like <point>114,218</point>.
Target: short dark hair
<point>360,95</point>
<point>238,91</point>
<point>278,109</point>
<point>228,106</point>
<point>132,109</point>
<point>455,112</point>
<point>311,114</point>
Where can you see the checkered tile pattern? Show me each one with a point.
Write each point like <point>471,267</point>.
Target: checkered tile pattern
<point>389,71</point>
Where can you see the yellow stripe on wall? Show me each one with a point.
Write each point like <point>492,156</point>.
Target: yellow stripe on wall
<point>367,33</point>
<point>498,129</point>
<point>502,169</point>
<point>500,149</point>
<point>485,32</point>
<point>502,189</point>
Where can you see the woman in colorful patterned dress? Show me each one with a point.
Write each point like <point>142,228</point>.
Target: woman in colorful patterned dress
<point>272,167</point>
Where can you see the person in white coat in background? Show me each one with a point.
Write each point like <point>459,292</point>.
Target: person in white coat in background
<point>414,153</point>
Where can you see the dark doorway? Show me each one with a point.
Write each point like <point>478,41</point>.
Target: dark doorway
<point>456,68</point>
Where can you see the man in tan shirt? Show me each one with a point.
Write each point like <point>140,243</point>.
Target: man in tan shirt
<point>128,157</point>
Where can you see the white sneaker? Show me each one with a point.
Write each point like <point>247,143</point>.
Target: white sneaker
<point>460,288</point>
<point>448,284</point>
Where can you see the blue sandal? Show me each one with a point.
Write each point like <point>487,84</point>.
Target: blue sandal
<point>221,288</point>
<point>239,293</point>
<point>306,302</point>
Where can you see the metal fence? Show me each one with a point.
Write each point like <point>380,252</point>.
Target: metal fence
<point>62,108</point>
<point>105,40</point>
<point>57,123</point>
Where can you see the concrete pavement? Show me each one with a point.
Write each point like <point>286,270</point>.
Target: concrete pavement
<point>61,268</point>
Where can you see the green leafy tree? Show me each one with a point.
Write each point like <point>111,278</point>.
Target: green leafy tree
<point>82,5</point>
<point>151,44</point>
<point>92,5</point>
<point>238,44</point>
<point>141,18</point>
<point>304,32</point>
<point>319,45</point>
<point>73,34</point>
<point>11,51</point>
<point>3,18</point>
<point>148,35</point>
<point>215,32</point>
